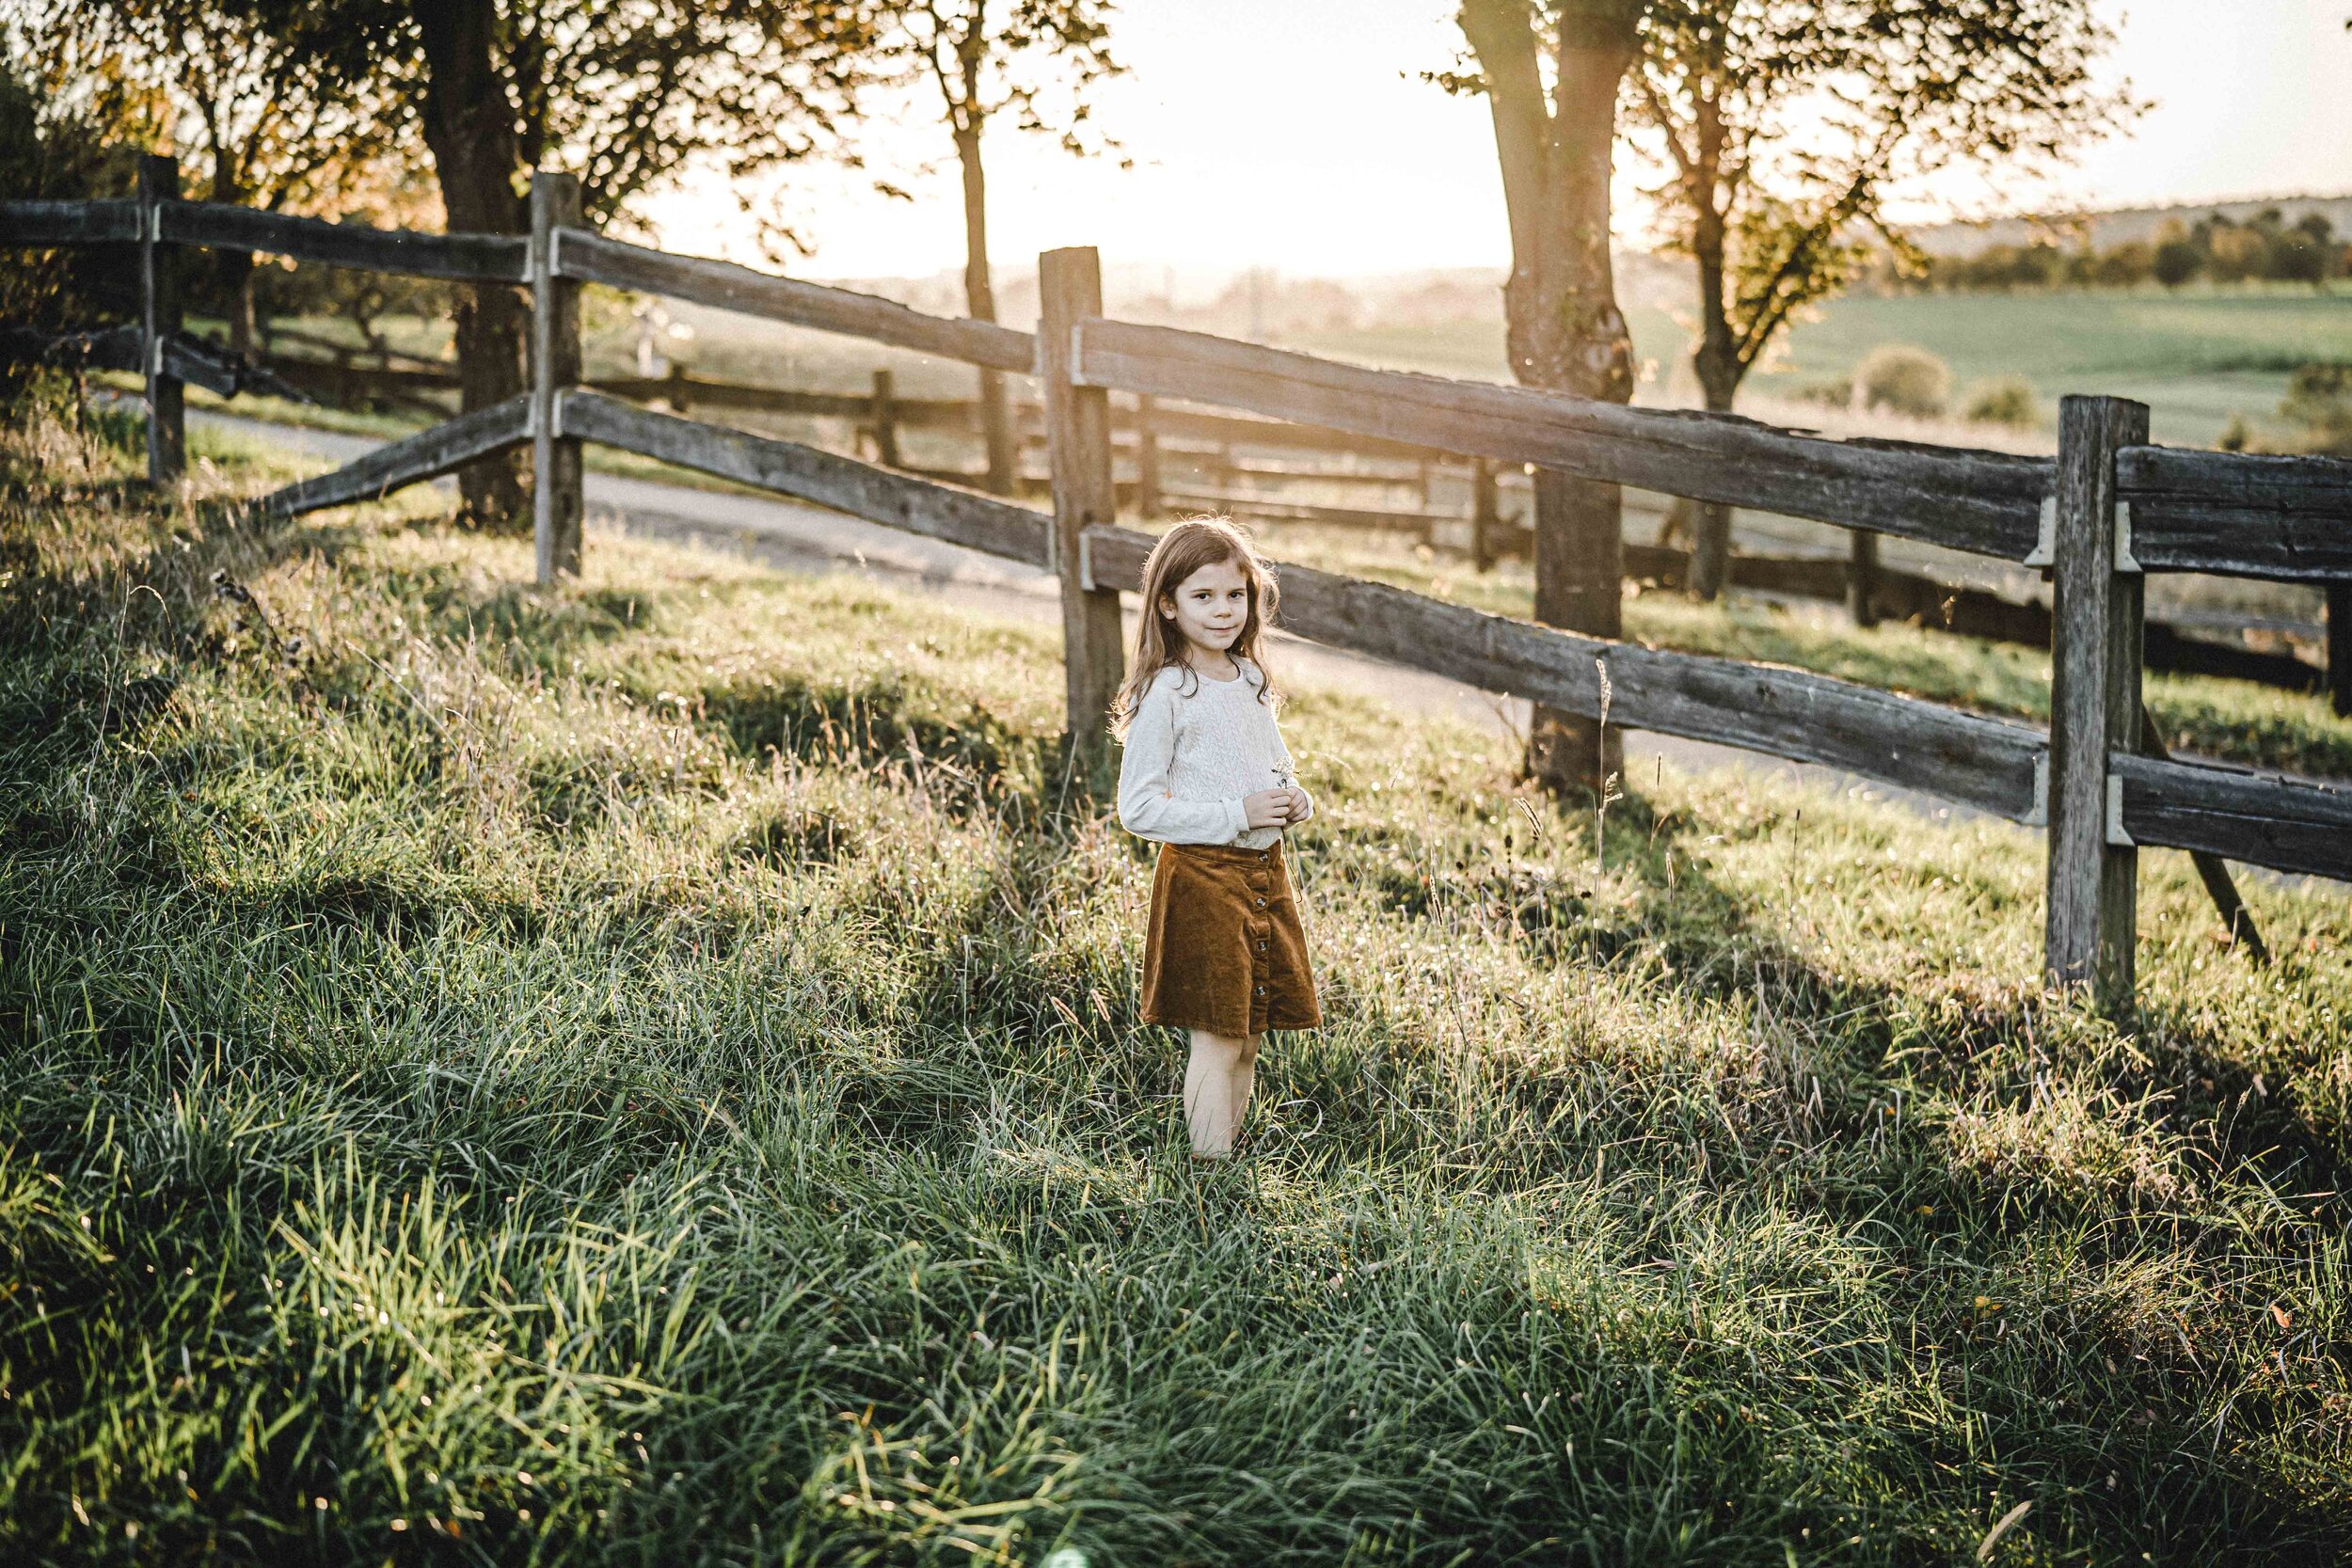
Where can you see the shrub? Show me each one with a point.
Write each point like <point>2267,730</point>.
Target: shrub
<point>2238,435</point>
<point>2008,400</point>
<point>1905,379</point>
<point>1836,394</point>
<point>2319,398</point>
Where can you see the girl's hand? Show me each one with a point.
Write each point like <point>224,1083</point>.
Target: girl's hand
<point>1267,808</point>
<point>1302,804</point>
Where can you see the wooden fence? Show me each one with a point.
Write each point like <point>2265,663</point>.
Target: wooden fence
<point>2109,508</point>
<point>1213,444</point>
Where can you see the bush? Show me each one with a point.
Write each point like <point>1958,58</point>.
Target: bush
<point>1905,379</point>
<point>2319,398</point>
<point>2008,400</point>
<point>1836,394</point>
<point>2238,435</point>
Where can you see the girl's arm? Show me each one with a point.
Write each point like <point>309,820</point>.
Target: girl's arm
<point>1146,807</point>
<point>1290,779</point>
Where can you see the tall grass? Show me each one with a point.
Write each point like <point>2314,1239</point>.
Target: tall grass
<point>649,1073</point>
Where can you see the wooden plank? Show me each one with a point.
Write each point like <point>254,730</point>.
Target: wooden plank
<point>1193,424</point>
<point>1983,502</point>
<point>159,324</point>
<point>595,258</point>
<point>29,223</point>
<point>1086,494</point>
<point>2088,936</point>
<point>2238,513</point>
<point>1987,764</point>
<point>555,354</point>
<point>927,413</point>
<point>896,501</point>
<point>427,454</point>
<point>196,363</point>
<point>1258,504</point>
<point>491,258</point>
<point>2238,814</point>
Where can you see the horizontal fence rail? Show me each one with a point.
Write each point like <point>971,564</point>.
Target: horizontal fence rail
<point>2286,824</point>
<point>594,259</point>
<point>878,495</point>
<point>1987,763</point>
<point>480,257</point>
<point>67,223</point>
<point>1985,502</point>
<point>428,454</point>
<point>2238,513</point>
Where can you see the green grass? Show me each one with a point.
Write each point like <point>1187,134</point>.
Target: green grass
<point>649,1073</point>
<point>2195,357</point>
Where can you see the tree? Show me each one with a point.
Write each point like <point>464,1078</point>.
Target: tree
<point>1034,60</point>
<point>2177,260</point>
<point>268,127</point>
<point>626,95</point>
<point>1783,128</point>
<point>52,150</point>
<point>1551,71</point>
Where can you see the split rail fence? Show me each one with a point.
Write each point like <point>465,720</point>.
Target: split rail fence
<point>2108,509</point>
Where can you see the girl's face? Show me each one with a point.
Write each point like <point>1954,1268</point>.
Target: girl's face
<point>1210,606</point>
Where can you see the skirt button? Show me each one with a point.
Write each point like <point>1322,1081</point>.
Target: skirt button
<point>1262,903</point>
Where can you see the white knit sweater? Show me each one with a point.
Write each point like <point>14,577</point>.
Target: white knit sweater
<point>1195,747</point>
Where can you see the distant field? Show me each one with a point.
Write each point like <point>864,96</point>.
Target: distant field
<point>2194,357</point>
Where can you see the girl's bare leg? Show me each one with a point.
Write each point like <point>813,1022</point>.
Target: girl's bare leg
<point>1245,1078</point>
<point>1217,1081</point>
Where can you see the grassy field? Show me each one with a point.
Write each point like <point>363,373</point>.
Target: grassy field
<point>649,1073</point>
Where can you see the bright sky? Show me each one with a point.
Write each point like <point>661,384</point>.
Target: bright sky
<point>1297,134</point>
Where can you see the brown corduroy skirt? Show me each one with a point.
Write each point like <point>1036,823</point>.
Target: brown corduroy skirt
<point>1225,951</point>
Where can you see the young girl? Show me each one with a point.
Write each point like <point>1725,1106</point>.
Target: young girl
<point>1206,774</point>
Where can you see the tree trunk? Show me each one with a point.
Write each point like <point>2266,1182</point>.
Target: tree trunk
<point>1716,359</point>
<point>469,130</point>
<point>233,269</point>
<point>1563,330</point>
<point>236,277</point>
<point>979,302</point>
<point>1710,543</point>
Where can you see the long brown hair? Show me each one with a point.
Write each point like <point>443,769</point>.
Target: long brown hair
<point>1195,542</point>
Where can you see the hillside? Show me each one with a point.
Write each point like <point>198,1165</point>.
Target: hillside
<point>650,1072</point>
<point>2120,226</point>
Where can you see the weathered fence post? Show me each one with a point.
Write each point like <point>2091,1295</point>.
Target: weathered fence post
<point>886,417</point>
<point>1147,457</point>
<point>2095,651</point>
<point>555,356</point>
<point>1485,511</point>
<point>1862,577</point>
<point>1078,444</point>
<point>159,321</point>
<point>2340,648</point>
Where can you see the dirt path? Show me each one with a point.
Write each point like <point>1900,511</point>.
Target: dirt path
<point>794,536</point>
